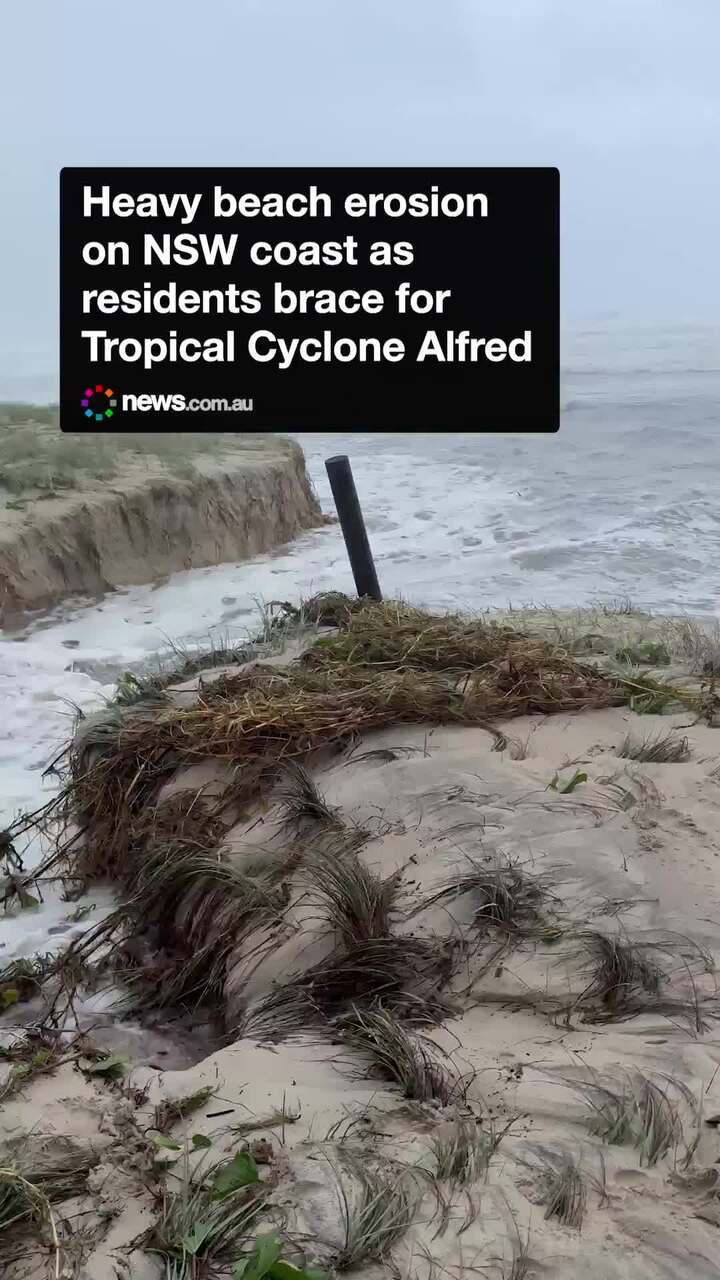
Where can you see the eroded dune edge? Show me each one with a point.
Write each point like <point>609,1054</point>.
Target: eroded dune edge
<point>146,520</point>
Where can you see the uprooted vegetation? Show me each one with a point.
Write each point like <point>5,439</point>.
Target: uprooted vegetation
<point>186,905</point>
<point>386,665</point>
<point>386,976</point>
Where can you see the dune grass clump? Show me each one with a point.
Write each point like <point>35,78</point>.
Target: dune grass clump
<point>620,971</point>
<point>649,697</point>
<point>303,805</point>
<point>409,1061</point>
<point>357,903</point>
<point>564,1192</point>
<point>662,748</point>
<point>24,1201</point>
<point>641,1113</point>
<point>27,1061</point>
<point>561,1184</point>
<point>376,1211</point>
<point>627,977</point>
<point>196,909</point>
<point>406,974</point>
<point>651,653</point>
<point>504,896</point>
<point>463,1154</point>
<point>698,643</point>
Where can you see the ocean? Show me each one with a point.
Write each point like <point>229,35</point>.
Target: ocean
<point>620,503</point>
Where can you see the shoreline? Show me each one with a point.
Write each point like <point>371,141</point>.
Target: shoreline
<point>547,810</point>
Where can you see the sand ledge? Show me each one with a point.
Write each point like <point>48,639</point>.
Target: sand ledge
<point>146,522</point>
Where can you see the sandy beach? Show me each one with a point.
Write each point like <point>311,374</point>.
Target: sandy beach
<point>521,1063</point>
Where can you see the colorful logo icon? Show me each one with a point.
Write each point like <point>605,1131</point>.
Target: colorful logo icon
<point>98,402</point>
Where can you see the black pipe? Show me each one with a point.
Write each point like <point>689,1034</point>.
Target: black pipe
<point>353,526</point>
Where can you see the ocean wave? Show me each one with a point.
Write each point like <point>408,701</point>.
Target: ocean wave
<point>639,371</point>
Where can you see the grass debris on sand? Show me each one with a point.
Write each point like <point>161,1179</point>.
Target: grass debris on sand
<point>387,664</point>
<point>372,666</point>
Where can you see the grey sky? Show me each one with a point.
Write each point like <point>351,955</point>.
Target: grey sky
<point>623,96</point>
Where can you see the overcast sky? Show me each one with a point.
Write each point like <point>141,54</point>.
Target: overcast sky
<point>622,95</point>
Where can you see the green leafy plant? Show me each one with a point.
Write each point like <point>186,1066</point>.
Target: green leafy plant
<point>207,1218</point>
<point>239,1172</point>
<point>564,787</point>
<point>267,1263</point>
<point>650,653</point>
<point>111,1067</point>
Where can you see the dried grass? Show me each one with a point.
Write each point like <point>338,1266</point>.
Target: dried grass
<point>172,1110</point>
<point>388,665</point>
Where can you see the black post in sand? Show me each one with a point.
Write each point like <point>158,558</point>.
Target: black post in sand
<point>353,526</point>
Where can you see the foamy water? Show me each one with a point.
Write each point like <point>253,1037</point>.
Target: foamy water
<point>621,502</point>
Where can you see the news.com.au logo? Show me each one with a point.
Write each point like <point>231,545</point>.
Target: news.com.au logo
<point>98,402</point>
<point>102,402</point>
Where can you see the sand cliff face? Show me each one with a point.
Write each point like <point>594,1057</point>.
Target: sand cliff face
<point>148,522</point>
